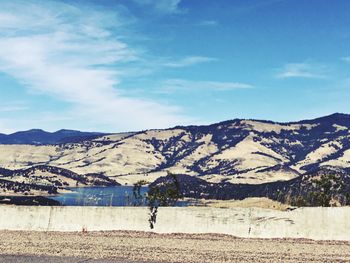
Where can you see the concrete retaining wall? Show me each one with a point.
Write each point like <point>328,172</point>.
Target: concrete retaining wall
<point>311,223</point>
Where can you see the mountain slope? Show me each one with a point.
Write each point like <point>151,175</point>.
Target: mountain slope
<point>301,191</point>
<point>45,180</point>
<point>236,151</point>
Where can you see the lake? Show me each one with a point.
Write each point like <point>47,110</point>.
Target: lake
<point>104,196</point>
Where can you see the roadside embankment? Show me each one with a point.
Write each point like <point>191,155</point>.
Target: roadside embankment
<point>310,223</point>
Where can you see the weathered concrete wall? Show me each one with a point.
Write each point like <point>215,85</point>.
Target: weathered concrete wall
<point>312,223</point>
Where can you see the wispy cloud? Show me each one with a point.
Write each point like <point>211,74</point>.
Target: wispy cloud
<point>153,65</point>
<point>12,108</point>
<point>173,85</point>
<point>189,61</point>
<point>302,70</point>
<point>67,52</point>
<point>208,23</point>
<point>346,59</point>
<point>162,6</point>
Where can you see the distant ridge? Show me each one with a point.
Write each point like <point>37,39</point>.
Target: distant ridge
<point>41,137</point>
<point>331,117</point>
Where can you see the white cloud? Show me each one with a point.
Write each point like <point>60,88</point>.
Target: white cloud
<point>208,23</point>
<point>301,70</point>
<point>12,108</point>
<point>346,59</point>
<point>189,61</point>
<point>68,53</point>
<point>173,85</point>
<point>162,6</point>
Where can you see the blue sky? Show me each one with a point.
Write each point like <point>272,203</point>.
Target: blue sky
<point>112,65</point>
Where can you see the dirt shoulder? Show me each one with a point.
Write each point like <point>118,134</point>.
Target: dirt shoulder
<point>150,247</point>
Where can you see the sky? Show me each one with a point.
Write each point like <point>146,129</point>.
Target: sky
<point>127,65</point>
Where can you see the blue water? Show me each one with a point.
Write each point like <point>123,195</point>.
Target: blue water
<point>104,196</point>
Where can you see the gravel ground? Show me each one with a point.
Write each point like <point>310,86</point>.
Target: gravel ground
<point>139,246</point>
<point>50,259</point>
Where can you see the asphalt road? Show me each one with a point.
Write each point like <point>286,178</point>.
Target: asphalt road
<point>47,259</point>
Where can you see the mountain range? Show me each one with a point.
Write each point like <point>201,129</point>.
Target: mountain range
<point>237,151</point>
<point>40,137</point>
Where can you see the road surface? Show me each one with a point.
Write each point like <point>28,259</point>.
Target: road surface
<point>48,259</point>
<point>132,247</point>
